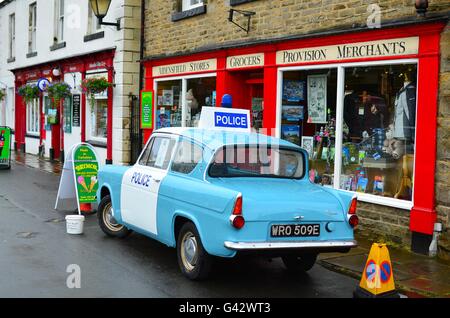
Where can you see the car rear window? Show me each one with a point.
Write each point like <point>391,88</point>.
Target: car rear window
<point>258,161</point>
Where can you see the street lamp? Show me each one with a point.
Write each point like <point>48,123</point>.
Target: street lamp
<point>100,8</point>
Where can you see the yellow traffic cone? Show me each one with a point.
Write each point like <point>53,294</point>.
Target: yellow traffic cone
<point>377,279</point>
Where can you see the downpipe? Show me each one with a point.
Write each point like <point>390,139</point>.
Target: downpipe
<point>433,249</point>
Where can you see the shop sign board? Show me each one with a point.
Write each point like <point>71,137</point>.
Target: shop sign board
<point>244,61</point>
<point>76,102</point>
<point>5,147</point>
<point>348,51</point>
<point>231,119</point>
<point>146,110</point>
<point>189,67</point>
<point>79,179</point>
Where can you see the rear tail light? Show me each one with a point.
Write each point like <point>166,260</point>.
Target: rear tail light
<point>236,219</point>
<point>352,209</point>
<point>353,219</point>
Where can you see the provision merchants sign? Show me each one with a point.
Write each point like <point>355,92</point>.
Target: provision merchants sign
<point>189,67</point>
<point>342,52</point>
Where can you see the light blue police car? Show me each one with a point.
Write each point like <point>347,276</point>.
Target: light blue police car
<point>215,193</point>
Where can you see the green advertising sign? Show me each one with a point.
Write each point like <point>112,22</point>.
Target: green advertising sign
<point>146,110</point>
<point>5,146</point>
<point>86,170</point>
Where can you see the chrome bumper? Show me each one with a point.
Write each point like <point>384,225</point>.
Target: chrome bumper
<point>241,246</point>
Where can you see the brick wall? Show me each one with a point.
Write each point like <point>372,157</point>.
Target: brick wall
<point>279,18</point>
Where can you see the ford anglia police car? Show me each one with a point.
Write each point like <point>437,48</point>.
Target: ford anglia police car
<point>214,193</point>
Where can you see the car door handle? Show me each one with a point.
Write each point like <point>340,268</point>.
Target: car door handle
<point>157,180</point>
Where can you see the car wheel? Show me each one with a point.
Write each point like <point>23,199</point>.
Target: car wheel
<point>195,263</point>
<point>299,262</point>
<point>107,222</point>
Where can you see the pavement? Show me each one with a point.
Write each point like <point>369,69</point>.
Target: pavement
<point>415,275</point>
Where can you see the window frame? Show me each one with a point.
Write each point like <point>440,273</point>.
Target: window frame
<point>93,25</point>
<point>180,141</point>
<point>32,108</point>
<point>32,27</point>
<point>150,144</point>
<point>365,197</point>
<point>186,6</point>
<point>12,36</point>
<point>59,11</point>
<point>183,92</point>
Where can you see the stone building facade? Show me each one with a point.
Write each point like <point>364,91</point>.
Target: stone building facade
<point>174,33</point>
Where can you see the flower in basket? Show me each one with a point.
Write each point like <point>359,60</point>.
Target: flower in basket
<point>94,85</point>
<point>58,91</point>
<point>29,92</point>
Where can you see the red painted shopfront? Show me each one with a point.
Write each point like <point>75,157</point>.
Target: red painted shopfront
<point>54,71</point>
<point>256,71</point>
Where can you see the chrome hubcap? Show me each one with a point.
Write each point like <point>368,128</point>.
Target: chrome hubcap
<point>189,251</point>
<point>109,219</point>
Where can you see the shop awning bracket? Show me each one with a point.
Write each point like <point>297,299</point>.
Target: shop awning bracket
<point>247,14</point>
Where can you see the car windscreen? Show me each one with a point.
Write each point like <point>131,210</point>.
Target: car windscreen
<point>257,161</point>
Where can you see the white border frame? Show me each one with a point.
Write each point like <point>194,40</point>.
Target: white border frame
<point>365,197</point>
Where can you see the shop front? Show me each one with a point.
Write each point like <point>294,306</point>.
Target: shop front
<point>49,126</point>
<point>362,104</point>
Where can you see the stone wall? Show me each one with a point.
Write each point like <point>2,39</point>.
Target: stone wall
<point>443,145</point>
<point>126,64</point>
<point>272,19</point>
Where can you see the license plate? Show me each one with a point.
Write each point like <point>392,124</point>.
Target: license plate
<point>295,230</point>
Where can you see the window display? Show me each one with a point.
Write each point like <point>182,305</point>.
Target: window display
<point>168,107</point>
<point>99,117</point>
<point>378,126</point>
<point>308,118</point>
<point>199,92</point>
<point>379,111</point>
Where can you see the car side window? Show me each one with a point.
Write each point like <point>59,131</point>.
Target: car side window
<point>187,157</point>
<point>160,153</point>
<point>144,158</point>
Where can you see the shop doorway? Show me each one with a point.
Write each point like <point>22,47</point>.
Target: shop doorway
<point>55,151</point>
<point>247,91</point>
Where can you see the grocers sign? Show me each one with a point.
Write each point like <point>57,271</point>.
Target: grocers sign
<point>86,170</point>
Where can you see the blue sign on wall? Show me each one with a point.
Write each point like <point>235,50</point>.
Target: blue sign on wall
<point>230,120</point>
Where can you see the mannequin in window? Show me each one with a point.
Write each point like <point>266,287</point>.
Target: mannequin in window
<point>405,111</point>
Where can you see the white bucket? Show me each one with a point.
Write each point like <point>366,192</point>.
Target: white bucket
<point>74,224</point>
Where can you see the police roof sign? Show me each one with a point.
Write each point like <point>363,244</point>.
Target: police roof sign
<point>225,119</point>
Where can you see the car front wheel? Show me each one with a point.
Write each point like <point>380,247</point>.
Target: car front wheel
<point>107,222</point>
<point>299,262</point>
<point>195,263</point>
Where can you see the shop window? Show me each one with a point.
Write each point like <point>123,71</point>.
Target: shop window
<point>171,111</point>
<point>185,9</point>
<point>379,130</point>
<point>33,117</point>
<point>374,156</point>
<point>199,92</point>
<point>32,16</point>
<point>168,104</point>
<point>308,117</point>
<point>99,118</point>
<point>187,157</point>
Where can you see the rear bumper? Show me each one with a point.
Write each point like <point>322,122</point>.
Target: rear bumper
<point>319,246</point>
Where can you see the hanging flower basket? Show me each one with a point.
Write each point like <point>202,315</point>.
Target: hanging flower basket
<point>58,91</point>
<point>29,92</point>
<point>94,85</point>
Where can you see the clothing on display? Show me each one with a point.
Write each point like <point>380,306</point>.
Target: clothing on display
<point>405,113</point>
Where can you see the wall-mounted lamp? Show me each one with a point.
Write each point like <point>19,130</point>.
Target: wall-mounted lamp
<point>100,8</point>
<point>246,14</point>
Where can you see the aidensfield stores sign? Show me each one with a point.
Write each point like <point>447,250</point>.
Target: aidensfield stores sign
<point>348,51</point>
<point>189,67</point>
